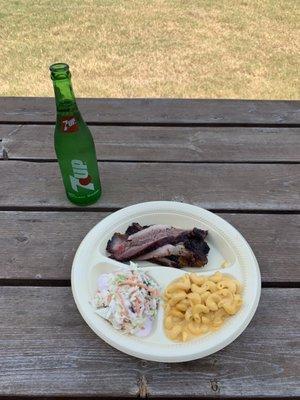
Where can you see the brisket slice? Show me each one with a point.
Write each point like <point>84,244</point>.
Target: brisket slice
<point>161,244</point>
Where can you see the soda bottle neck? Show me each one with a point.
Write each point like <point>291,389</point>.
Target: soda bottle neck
<point>64,95</point>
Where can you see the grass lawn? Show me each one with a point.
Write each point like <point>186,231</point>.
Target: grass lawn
<point>152,48</point>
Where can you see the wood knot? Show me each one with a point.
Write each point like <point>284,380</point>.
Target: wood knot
<point>22,239</point>
<point>3,153</point>
<point>214,385</point>
<point>143,387</point>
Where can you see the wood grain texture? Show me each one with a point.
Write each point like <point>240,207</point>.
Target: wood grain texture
<point>47,349</point>
<point>212,186</point>
<point>40,245</point>
<point>161,143</point>
<point>159,111</point>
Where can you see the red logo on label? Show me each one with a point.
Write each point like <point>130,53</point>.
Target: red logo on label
<point>69,124</point>
<point>85,181</point>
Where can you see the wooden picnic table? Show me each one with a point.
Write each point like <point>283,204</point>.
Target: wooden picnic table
<point>239,159</point>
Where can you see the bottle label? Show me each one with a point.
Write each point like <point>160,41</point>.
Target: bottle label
<point>80,177</point>
<point>69,124</point>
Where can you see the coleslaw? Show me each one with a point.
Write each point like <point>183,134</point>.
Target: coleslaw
<point>128,299</point>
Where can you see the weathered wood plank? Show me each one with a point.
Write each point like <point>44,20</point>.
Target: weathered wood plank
<point>46,349</point>
<point>41,245</point>
<point>58,353</point>
<point>162,143</point>
<point>213,186</point>
<point>160,111</point>
<point>253,365</point>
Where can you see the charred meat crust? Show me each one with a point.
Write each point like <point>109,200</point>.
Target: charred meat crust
<point>161,244</point>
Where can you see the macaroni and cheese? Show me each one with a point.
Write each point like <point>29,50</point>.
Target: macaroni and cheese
<point>195,305</point>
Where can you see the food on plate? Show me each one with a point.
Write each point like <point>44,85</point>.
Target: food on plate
<point>128,299</point>
<point>225,264</point>
<point>195,305</point>
<point>160,244</point>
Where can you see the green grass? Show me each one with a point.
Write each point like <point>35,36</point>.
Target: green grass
<point>153,48</point>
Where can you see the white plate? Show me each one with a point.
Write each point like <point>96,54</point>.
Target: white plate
<point>226,244</point>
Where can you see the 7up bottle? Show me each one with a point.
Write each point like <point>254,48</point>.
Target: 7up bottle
<point>74,143</point>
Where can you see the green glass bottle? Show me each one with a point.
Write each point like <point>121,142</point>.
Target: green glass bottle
<point>74,145</point>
